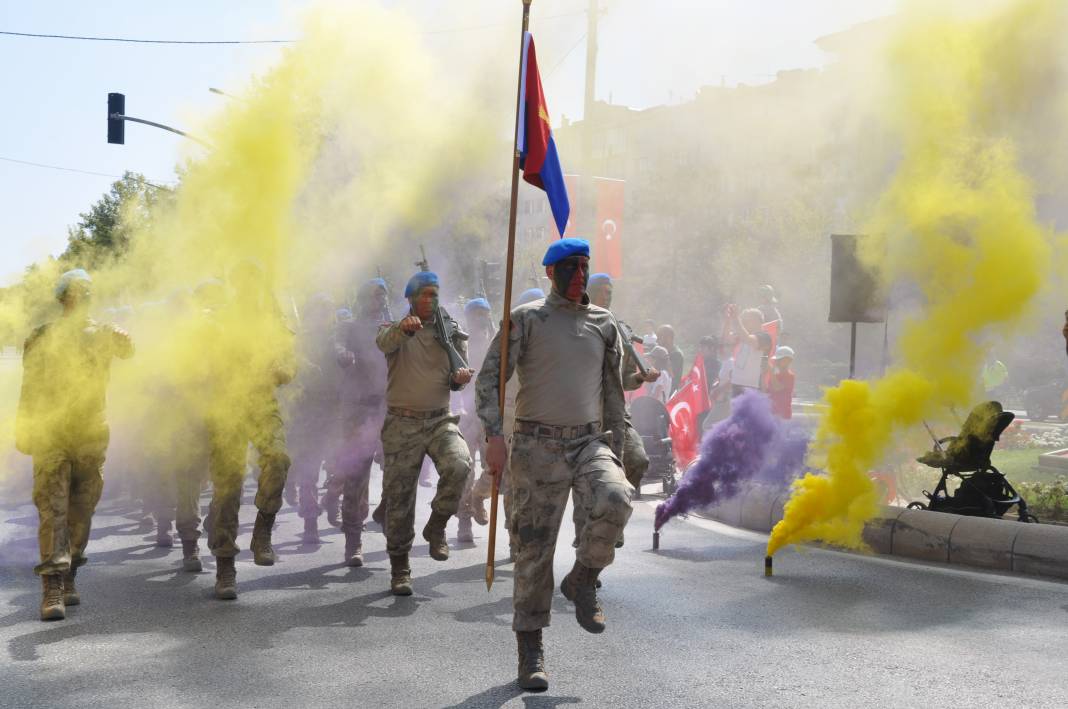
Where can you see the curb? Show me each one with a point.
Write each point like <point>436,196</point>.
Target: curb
<point>979,542</point>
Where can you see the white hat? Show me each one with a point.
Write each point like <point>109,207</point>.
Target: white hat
<point>784,352</point>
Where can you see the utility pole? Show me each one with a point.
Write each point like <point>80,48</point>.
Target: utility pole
<point>586,219</point>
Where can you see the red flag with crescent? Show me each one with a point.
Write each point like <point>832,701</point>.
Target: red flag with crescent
<point>685,409</point>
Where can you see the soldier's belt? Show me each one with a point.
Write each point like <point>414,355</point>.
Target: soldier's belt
<point>412,414</point>
<point>564,433</point>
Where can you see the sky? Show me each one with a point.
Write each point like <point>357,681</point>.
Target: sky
<point>55,91</point>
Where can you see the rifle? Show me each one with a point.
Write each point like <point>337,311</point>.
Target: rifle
<point>423,264</point>
<point>388,308</point>
<point>629,338</point>
<point>444,331</point>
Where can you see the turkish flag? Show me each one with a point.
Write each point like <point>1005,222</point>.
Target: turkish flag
<point>607,242</point>
<point>685,408</point>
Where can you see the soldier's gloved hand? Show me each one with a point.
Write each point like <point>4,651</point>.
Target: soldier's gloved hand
<point>463,376</point>
<point>346,359</point>
<point>651,375</point>
<point>496,454</point>
<point>411,324</point>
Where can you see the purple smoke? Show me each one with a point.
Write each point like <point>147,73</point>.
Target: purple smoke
<point>751,444</point>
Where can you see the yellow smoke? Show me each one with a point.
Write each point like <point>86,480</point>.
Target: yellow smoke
<point>959,222</point>
<point>339,158</point>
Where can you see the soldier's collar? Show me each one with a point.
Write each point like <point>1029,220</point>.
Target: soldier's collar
<point>558,301</point>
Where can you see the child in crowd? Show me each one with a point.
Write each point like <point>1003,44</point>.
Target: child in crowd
<point>781,383</point>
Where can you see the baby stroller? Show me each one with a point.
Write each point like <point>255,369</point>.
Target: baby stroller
<point>983,490</point>
<point>651,421</point>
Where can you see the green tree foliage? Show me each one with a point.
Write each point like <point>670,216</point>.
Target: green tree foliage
<point>103,233</point>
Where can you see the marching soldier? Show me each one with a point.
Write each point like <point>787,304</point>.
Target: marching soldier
<point>568,439</point>
<point>419,423</point>
<point>635,461</point>
<point>66,368</point>
<point>252,355</point>
<point>363,411</point>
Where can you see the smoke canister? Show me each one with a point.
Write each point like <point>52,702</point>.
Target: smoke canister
<point>656,540</point>
<point>767,566</point>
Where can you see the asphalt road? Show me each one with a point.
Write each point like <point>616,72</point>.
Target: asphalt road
<point>693,625</point>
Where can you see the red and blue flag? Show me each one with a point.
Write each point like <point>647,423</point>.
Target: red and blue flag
<point>537,150</point>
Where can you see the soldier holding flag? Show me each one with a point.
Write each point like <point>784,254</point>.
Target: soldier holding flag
<point>568,438</point>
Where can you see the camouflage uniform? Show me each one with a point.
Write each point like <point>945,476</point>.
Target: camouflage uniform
<point>248,369</point>
<point>567,440</point>
<point>313,421</point>
<point>66,368</point>
<point>635,461</point>
<point>471,428</point>
<point>363,410</point>
<point>418,423</point>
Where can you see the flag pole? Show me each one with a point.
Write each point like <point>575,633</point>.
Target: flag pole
<point>506,320</point>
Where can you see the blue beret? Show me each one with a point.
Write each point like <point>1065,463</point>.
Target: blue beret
<point>562,248</point>
<point>600,278</point>
<point>477,304</point>
<point>377,283</point>
<point>70,277</point>
<point>343,314</point>
<point>529,296</point>
<point>420,281</point>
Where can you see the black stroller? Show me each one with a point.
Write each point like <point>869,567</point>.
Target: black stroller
<point>983,490</point>
<point>651,421</point>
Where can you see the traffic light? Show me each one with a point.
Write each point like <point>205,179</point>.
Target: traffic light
<point>116,126</point>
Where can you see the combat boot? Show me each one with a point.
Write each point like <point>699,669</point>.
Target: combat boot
<point>532,674</point>
<point>434,534</point>
<point>353,549</point>
<point>52,607</point>
<point>478,512</point>
<point>163,535</point>
<point>70,591</point>
<point>464,535</point>
<point>191,556</point>
<point>400,579</point>
<point>329,503</point>
<point>225,578</point>
<point>311,531</point>
<point>262,552</point>
<point>580,587</point>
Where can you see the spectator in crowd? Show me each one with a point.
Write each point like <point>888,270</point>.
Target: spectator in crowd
<point>649,341</point>
<point>664,386</point>
<point>665,337</point>
<point>715,371</point>
<point>781,383</point>
<point>754,346</point>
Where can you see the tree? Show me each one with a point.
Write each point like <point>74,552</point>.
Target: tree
<point>103,233</point>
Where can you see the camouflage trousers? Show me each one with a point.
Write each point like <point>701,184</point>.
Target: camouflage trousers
<point>262,427</point>
<point>405,442</point>
<point>635,465</point>
<point>471,428</point>
<point>544,472</point>
<point>351,471</point>
<point>67,482</point>
<point>180,473</point>
<point>313,435</point>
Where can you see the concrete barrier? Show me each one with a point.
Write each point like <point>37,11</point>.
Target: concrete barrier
<point>729,511</point>
<point>919,534</point>
<point>1041,549</point>
<point>879,532</point>
<point>983,542</point>
<point>757,505</point>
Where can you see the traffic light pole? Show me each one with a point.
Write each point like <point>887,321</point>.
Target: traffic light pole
<point>120,117</point>
<point>117,119</point>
